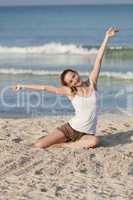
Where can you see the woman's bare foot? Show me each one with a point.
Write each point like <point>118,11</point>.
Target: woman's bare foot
<point>85,142</point>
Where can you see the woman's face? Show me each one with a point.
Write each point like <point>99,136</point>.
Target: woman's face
<point>72,79</point>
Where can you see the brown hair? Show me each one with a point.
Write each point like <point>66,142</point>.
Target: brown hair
<point>63,82</point>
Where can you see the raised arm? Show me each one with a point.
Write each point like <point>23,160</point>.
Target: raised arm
<point>64,90</point>
<point>96,69</point>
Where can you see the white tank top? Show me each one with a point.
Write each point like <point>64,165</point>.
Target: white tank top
<point>86,112</point>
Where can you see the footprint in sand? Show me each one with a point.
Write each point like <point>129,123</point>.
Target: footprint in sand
<point>106,131</point>
<point>113,128</point>
<point>126,124</point>
<point>17,140</point>
<point>44,131</point>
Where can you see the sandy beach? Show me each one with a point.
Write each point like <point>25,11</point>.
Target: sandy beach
<point>105,172</point>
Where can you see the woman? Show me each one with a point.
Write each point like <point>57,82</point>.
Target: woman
<point>81,129</point>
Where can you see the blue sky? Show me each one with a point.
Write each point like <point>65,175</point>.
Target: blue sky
<point>51,2</point>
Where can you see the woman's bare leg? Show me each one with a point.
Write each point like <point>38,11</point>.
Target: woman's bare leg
<point>55,137</point>
<point>85,142</point>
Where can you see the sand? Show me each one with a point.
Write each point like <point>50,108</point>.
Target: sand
<point>105,172</point>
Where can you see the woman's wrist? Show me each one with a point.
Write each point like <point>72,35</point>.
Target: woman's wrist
<point>31,87</point>
<point>106,38</point>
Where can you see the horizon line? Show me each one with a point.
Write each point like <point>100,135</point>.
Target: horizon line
<point>80,4</point>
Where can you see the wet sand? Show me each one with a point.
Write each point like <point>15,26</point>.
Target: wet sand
<point>103,173</point>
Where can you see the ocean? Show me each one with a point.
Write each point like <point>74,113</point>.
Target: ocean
<point>38,42</point>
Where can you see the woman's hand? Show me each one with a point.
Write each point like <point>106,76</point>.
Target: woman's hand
<point>16,87</point>
<point>111,32</point>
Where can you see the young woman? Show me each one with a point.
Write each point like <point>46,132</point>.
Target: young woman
<point>81,129</point>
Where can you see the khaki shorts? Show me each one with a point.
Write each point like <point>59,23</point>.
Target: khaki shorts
<point>70,133</point>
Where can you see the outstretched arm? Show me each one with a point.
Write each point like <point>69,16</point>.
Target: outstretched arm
<point>96,69</point>
<point>64,90</point>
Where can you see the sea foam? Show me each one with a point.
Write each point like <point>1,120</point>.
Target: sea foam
<point>49,49</point>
